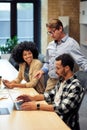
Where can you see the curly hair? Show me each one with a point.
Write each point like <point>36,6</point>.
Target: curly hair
<point>17,52</point>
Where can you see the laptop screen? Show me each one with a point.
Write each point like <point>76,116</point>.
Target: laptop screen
<point>16,104</point>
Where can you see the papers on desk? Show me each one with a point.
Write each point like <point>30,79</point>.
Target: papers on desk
<point>3,94</point>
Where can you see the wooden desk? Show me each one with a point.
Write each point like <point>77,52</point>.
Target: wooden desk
<point>31,120</point>
<point>27,120</point>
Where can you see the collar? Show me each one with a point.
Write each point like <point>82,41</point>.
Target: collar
<point>70,79</point>
<point>62,40</point>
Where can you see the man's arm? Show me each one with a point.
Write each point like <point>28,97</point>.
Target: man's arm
<point>39,97</point>
<point>28,106</point>
<point>27,98</point>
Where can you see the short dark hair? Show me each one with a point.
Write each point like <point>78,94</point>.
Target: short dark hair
<point>54,23</point>
<point>17,52</point>
<point>66,60</point>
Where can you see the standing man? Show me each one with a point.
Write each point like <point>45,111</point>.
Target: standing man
<point>61,43</point>
<point>64,98</point>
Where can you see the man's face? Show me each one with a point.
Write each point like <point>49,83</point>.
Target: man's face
<point>60,70</point>
<point>54,33</point>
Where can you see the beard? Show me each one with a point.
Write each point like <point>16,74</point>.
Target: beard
<point>62,76</point>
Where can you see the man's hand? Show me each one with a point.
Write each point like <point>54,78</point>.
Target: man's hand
<point>28,106</point>
<point>25,98</point>
<point>39,74</point>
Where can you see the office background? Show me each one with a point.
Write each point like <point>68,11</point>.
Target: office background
<point>42,11</point>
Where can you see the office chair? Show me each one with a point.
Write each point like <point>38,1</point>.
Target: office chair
<point>82,77</point>
<point>15,64</point>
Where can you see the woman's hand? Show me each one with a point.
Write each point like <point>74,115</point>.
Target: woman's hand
<point>8,84</point>
<point>5,81</point>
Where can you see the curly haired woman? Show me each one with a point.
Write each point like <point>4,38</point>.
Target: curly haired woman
<point>26,55</point>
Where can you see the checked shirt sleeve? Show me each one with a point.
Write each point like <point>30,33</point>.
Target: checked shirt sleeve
<point>69,99</point>
<point>49,96</point>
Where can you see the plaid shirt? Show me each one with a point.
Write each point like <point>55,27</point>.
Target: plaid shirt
<point>69,99</point>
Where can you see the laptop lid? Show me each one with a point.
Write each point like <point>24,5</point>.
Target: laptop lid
<point>16,103</point>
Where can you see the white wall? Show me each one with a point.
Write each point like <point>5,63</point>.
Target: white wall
<point>44,20</point>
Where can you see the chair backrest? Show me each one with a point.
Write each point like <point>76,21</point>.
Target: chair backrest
<point>15,64</point>
<point>75,113</point>
<point>82,77</point>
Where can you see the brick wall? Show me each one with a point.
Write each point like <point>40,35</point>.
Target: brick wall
<point>66,8</point>
<point>54,9</point>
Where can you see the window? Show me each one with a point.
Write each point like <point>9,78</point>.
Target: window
<point>4,22</point>
<point>25,21</point>
<point>21,18</point>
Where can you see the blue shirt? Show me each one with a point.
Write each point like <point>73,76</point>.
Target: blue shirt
<point>66,45</point>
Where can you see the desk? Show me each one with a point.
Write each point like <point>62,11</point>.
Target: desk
<point>7,71</point>
<point>29,120</point>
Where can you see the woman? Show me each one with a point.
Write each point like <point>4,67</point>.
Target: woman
<point>26,55</point>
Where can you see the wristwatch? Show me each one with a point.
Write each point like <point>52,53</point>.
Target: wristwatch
<point>38,106</point>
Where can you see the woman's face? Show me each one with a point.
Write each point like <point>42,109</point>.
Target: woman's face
<point>27,56</point>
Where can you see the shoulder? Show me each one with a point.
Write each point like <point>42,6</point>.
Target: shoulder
<point>36,61</point>
<point>72,40</point>
<point>76,81</point>
<point>76,85</point>
<point>51,44</point>
<point>22,64</point>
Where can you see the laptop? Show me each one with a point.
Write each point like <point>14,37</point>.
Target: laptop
<point>16,104</point>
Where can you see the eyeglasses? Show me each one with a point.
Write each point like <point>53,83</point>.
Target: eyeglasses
<point>51,32</point>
